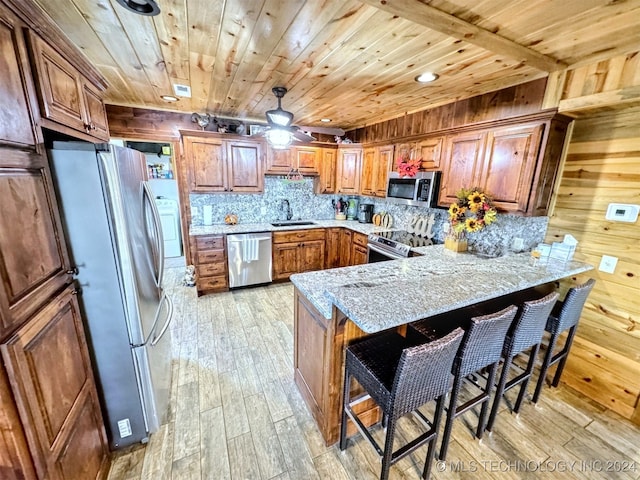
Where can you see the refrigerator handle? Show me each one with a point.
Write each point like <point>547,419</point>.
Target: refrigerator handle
<point>169,302</point>
<point>148,197</point>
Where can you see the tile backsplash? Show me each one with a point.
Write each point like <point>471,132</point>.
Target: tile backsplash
<point>305,204</point>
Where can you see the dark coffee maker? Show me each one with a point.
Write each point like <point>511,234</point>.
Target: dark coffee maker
<point>365,213</point>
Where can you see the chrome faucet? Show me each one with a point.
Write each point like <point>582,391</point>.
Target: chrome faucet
<point>285,210</point>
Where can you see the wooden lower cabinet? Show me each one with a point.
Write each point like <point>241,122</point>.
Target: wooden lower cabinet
<point>297,251</point>
<point>338,247</point>
<point>358,249</point>
<point>49,371</point>
<point>210,259</point>
<point>318,356</point>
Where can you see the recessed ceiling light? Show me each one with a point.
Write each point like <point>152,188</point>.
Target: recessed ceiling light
<point>427,77</point>
<point>325,120</point>
<point>169,98</point>
<point>141,7</point>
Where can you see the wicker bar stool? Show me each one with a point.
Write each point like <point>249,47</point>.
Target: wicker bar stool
<point>565,316</point>
<point>400,378</point>
<point>481,348</point>
<point>524,334</point>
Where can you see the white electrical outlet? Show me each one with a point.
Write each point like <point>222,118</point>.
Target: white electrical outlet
<point>124,426</point>
<point>518,244</point>
<point>608,264</point>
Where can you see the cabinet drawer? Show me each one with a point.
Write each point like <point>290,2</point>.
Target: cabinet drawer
<point>298,235</point>
<point>210,256</point>
<point>212,283</point>
<point>360,239</point>
<point>211,269</point>
<point>210,243</point>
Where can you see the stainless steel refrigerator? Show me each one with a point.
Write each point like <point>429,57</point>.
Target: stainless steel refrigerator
<point>115,238</point>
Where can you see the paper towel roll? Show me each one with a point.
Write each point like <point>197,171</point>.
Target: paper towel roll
<point>207,214</point>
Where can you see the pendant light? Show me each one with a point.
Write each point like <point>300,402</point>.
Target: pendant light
<point>141,7</point>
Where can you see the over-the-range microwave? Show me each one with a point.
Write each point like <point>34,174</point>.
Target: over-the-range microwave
<point>421,190</point>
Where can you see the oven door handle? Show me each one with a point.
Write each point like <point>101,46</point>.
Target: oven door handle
<point>386,253</point>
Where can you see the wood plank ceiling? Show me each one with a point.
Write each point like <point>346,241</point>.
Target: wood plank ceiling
<point>348,60</point>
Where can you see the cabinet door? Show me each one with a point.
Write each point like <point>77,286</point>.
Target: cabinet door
<point>278,161</point>
<point>206,158</point>
<point>462,164</point>
<point>358,255</point>
<point>429,151</point>
<point>348,171</point>
<point>244,160</point>
<point>33,254</point>
<point>344,248</point>
<point>381,172</point>
<point>60,86</point>
<point>332,252</point>
<point>510,161</point>
<point>50,374</point>
<point>96,120</point>
<point>327,167</point>
<point>306,159</point>
<point>367,180</point>
<point>285,260</point>
<point>17,123</point>
<point>311,256</point>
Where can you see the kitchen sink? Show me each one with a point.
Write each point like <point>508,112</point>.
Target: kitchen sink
<point>290,223</point>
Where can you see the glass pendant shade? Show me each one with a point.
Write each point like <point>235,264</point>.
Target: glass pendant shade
<point>279,117</point>
<point>278,138</point>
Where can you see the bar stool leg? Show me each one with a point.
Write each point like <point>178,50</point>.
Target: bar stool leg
<point>528,372</point>
<point>433,442</point>
<point>545,366</point>
<point>499,392</point>
<point>345,403</point>
<point>565,354</point>
<point>482,419</point>
<point>388,449</point>
<point>451,415</point>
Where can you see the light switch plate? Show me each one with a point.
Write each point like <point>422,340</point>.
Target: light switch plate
<point>608,264</point>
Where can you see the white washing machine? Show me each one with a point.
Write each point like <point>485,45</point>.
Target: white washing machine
<point>170,220</point>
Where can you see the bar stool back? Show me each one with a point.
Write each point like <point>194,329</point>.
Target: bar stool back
<point>565,316</point>
<point>400,377</point>
<point>525,333</point>
<point>481,347</point>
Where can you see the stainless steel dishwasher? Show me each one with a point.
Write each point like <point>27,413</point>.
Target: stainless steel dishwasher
<point>249,256</point>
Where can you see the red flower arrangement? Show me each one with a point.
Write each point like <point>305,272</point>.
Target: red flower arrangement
<point>407,166</point>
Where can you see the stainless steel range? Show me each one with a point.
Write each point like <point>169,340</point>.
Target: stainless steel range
<point>382,246</point>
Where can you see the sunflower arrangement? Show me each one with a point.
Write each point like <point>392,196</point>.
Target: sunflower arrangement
<point>407,166</point>
<point>472,211</point>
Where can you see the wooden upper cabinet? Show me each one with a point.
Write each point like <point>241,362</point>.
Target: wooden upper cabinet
<point>381,172</point>
<point>244,166</point>
<point>206,160</point>
<point>17,97</point>
<point>463,158</point>
<point>305,159</point>
<point>369,158</point>
<point>429,151</point>
<point>215,164</point>
<point>65,95</point>
<point>50,375</point>
<point>34,262</point>
<point>509,165</point>
<point>327,167</point>
<point>348,170</point>
<point>279,161</point>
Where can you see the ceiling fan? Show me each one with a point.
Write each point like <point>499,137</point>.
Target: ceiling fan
<point>280,132</point>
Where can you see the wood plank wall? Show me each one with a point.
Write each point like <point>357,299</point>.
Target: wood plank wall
<point>603,166</point>
<point>522,99</point>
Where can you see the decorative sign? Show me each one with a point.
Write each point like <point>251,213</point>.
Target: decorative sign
<point>422,225</point>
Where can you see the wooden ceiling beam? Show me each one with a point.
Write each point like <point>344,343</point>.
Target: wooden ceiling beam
<point>452,26</point>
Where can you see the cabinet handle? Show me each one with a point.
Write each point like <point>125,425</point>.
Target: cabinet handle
<point>92,126</point>
<point>72,271</point>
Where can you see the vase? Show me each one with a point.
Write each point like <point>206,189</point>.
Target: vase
<point>456,242</point>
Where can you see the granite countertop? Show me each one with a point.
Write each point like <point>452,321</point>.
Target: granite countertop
<point>384,295</point>
<point>354,225</point>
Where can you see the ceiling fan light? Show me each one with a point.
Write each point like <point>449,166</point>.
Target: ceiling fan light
<point>279,117</point>
<point>278,138</point>
<point>141,7</point>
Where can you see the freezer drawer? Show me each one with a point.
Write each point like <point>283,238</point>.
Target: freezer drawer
<point>249,257</point>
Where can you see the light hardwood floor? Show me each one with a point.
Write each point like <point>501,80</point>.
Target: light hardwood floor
<point>235,413</point>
